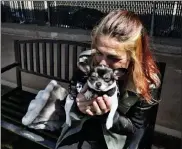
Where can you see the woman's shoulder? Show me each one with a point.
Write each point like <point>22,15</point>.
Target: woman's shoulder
<point>155,90</point>
<point>131,98</point>
<point>142,104</point>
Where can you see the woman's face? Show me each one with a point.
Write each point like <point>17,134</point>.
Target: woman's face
<point>107,53</point>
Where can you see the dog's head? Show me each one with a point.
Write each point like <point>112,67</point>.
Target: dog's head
<point>103,78</point>
<point>100,78</point>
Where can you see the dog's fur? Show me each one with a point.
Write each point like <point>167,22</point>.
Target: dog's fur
<point>101,80</point>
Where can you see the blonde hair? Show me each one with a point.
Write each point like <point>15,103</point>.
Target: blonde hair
<point>126,28</point>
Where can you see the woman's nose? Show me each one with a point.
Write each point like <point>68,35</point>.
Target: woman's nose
<point>103,62</point>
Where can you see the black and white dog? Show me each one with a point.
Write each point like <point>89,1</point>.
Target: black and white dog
<point>101,80</point>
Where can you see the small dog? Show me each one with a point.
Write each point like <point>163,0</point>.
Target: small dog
<point>101,80</point>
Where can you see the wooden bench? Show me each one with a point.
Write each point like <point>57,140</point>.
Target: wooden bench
<point>52,59</point>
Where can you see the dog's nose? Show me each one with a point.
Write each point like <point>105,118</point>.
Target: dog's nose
<point>98,84</point>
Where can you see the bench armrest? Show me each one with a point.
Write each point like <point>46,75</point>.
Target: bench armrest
<point>6,68</point>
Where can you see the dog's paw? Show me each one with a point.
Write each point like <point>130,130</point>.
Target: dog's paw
<point>109,124</point>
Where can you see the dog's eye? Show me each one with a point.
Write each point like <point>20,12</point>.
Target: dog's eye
<point>107,79</point>
<point>93,76</point>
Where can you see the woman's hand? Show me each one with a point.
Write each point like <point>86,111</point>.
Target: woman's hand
<point>83,104</point>
<point>97,106</point>
<point>101,105</point>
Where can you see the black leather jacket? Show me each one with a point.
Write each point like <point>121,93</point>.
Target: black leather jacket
<point>132,114</point>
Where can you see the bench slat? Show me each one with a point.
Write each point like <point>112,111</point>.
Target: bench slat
<point>75,51</point>
<point>66,61</point>
<point>5,116</point>
<point>13,106</point>
<point>15,99</point>
<point>31,57</point>
<point>12,112</point>
<point>37,54</point>
<point>59,57</point>
<point>10,92</point>
<point>44,58</point>
<point>51,54</point>
<point>25,56</point>
<point>31,136</point>
<point>46,134</point>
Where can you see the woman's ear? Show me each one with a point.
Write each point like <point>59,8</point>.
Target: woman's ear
<point>119,72</point>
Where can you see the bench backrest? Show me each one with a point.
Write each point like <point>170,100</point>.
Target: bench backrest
<point>53,59</point>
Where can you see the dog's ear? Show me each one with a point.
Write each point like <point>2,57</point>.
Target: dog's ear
<point>83,64</point>
<point>84,60</point>
<point>119,72</point>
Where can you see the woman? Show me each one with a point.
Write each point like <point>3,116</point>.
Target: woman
<point>119,41</point>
